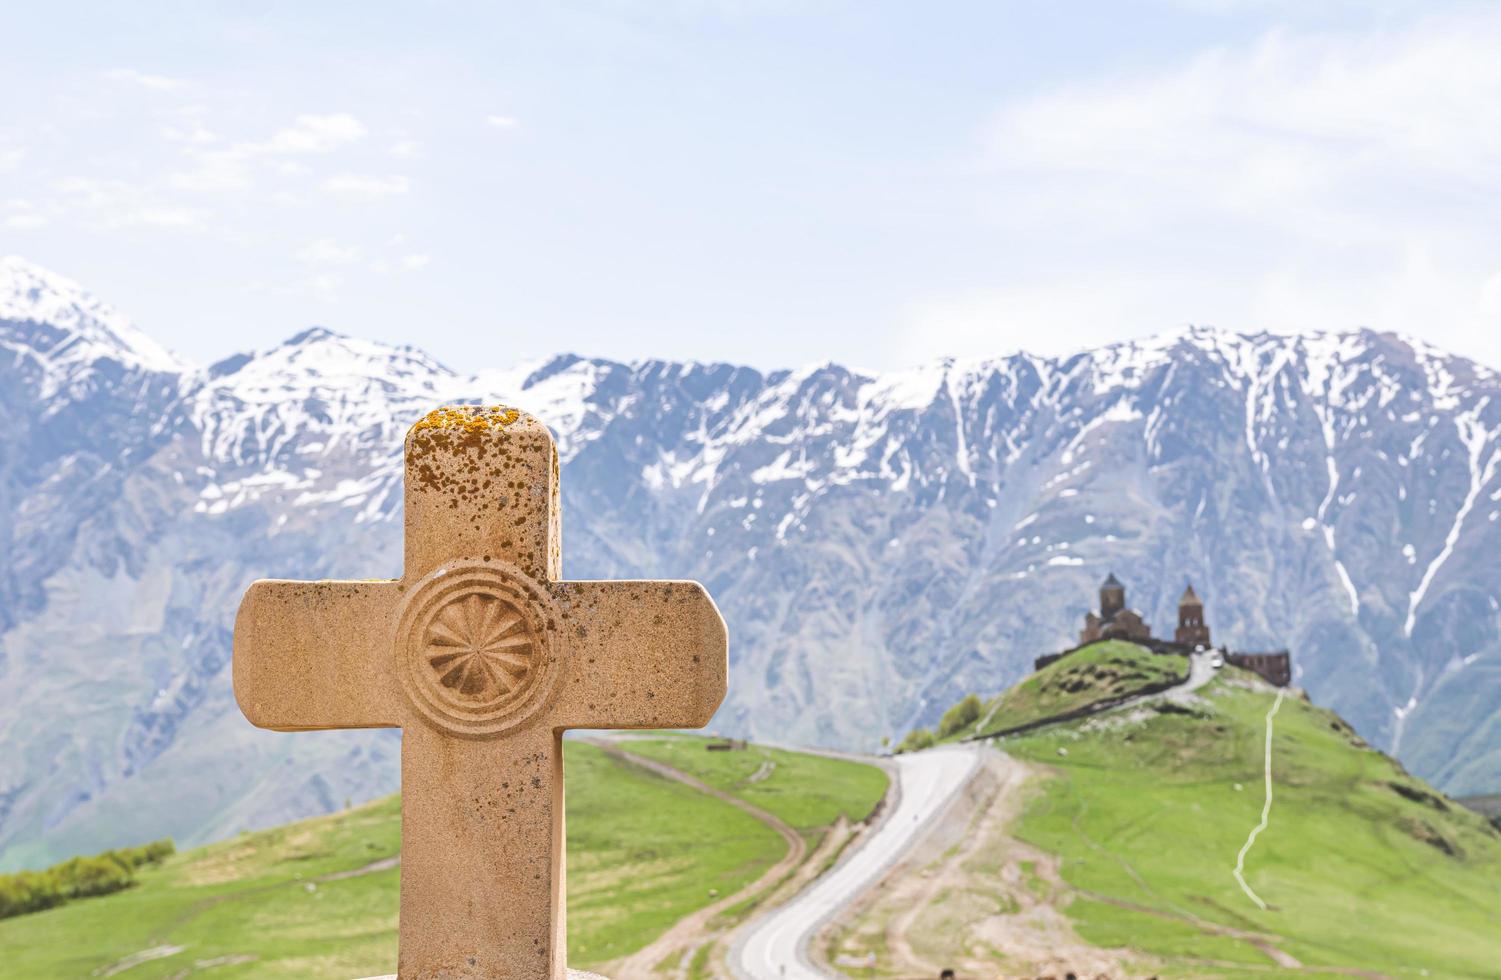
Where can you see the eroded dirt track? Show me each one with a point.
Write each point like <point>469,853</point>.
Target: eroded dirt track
<point>694,930</point>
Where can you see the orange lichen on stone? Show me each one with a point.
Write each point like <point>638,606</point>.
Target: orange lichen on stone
<point>468,418</point>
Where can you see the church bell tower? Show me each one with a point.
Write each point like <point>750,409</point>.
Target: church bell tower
<point>1112,598</point>
<point>1191,628</point>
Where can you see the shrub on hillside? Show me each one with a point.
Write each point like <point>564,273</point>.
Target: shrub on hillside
<point>85,877</point>
<point>80,877</point>
<point>28,891</point>
<point>960,716</point>
<point>136,857</point>
<point>915,741</point>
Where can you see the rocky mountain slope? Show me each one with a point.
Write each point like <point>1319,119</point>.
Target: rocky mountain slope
<point>879,544</point>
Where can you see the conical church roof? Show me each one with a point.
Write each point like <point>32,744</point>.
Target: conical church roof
<point>1190,597</point>
<point>1112,582</point>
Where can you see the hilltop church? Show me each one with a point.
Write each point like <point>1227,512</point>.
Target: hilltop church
<point>1117,621</point>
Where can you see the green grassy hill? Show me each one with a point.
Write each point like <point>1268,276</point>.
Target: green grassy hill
<point>1363,866</point>
<point>319,898</point>
<point>1111,848</point>
<point>808,791</point>
<point>1098,674</point>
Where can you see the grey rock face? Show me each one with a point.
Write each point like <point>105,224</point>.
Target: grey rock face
<point>880,545</point>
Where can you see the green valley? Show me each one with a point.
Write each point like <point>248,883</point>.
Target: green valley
<point>319,898</point>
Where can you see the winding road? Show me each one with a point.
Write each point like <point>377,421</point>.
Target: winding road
<point>775,946</point>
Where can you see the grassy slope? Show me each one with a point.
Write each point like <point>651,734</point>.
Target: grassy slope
<point>642,852</point>
<point>1152,812</point>
<point>1099,672</point>
<point>809,792</point>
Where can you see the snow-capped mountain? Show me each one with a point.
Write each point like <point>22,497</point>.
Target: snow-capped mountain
<point>71,333</point>
<point>879,544</point>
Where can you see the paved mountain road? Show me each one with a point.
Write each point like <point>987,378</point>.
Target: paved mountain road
<point>1201,671</point>
<point>774,947</point>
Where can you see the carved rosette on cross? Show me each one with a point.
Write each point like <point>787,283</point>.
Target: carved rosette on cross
<point>484,656</point>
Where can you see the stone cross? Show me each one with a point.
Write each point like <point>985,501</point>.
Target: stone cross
<point>483,656</point>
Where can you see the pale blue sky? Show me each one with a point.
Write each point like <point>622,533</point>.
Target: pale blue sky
<point>764,182</point>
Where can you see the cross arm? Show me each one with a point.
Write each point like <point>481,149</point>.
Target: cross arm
<point>314,655</point>
<point>640,655</point>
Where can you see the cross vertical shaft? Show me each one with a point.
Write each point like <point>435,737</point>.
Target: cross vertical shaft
<point>474,819</point>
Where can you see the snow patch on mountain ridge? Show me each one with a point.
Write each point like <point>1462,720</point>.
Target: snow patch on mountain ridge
<point>93,331</point>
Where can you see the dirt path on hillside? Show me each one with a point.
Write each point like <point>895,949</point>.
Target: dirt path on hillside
<point>693,930</point>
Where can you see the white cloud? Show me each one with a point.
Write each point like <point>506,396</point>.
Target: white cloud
<point>327,251</point>
<point>415,261</point>
<point>164,216</point>
<point>217,170</point>
<point>325,285</point>
<point>367,185</point>
<point>1301,182</point>
<point>192,133</point>
<point>405,149</point>
<point>93,191</point>
<point>159,83</point>
<point>502,122</point>
<point>10,157</point>
<point>315,134</point>
<point>115,203</point>
<point>229,168</point>
<point>23,215</point>
<point>1287,119</point>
